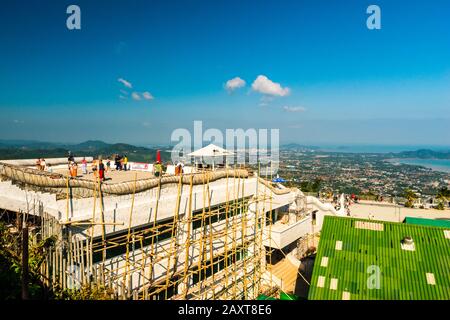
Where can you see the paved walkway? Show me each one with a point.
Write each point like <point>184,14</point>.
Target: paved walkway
<point>112,176</point>
<point>287,272</point>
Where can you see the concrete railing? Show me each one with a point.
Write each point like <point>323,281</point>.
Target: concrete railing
<point>282,235</point>
<point>52,161</point>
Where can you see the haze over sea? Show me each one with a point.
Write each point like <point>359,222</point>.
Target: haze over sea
<point>369,148</point>
<point>434,164</point>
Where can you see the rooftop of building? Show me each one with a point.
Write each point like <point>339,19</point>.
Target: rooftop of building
<point>444,223</point>
<point>412,261</point>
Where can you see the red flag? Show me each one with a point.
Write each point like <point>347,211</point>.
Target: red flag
<point>158,156</point>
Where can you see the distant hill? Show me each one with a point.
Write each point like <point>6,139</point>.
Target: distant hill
<point>89,145</point>
<point>28,144</point>
<point>21,149</point>
<point>296,146</point>
<point>424,154</point>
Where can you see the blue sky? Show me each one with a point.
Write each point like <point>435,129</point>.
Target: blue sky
<point>344,84</point>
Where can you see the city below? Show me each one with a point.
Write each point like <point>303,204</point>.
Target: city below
<point>382,176</point>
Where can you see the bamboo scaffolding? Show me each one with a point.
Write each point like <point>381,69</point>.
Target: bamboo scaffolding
<point>222,245</point>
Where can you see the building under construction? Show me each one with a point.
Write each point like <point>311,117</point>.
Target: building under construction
<point>214,234</point>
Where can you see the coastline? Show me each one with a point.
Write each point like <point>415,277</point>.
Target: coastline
<point>420,163</point>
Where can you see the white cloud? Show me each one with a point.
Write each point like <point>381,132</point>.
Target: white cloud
<point>147,95</point>
<point>139,96</point>
<point>234,84</point>
<point>125,83</point>
<point>294,109</point>
<point>136,96</point>
<point>264,85</point>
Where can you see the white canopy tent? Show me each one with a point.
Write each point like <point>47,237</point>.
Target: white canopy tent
<point>211,151</point>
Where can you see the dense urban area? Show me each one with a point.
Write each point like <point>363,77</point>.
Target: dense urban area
<point>364,174</point>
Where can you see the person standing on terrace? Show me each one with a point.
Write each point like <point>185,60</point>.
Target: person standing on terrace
<point>84,166</point>
<point>158,169</point>
<point>94,168</point>
<point>125,162</point>
<point>117,162</point>
<point>43,164</point>
<point>73,169</point>
<point>101,170</point>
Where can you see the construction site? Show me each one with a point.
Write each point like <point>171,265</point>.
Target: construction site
<point>225,233</point>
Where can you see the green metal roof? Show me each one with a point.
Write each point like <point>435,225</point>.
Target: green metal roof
<point>264,297</point>
<point>403,273</point>
<point>283,296</point>
<point>428,222</point>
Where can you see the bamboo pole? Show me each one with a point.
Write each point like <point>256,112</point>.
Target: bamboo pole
<point>211,247</point>
<point>25,275</point>
<point>102,215</point>
<point>60,266</point>
<point>64,273</point>
<point>243,235</point>
<point>233,233</point>
<point>174,234</point>
<point>54,265</point>
<point>153,236</point>
<point>82,261</point>
<point>127,263</point>
<point>71,260</point>
<point>90,241</point>
<point>47,269</point>
<point>67,199</point>
<point>227,208</point>
<point>188,239</point>
<point>202,232</point>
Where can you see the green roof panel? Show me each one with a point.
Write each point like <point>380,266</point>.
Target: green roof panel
<point>367,252</point>
<point>428,222</point>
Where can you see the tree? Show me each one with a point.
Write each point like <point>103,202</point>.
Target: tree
<point>442,196</point>
<point>410,198</point>
<point>444,193</point>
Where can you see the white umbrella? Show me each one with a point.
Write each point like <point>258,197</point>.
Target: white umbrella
<point>211,151</point>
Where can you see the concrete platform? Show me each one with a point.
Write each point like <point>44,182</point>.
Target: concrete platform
<point>394,213</point>
<point>111,176</point>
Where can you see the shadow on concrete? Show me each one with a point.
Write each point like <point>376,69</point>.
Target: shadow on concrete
<point>306,268</point>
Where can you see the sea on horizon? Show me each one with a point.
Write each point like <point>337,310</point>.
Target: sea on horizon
<point>434,164</point>
<point>379,148</point>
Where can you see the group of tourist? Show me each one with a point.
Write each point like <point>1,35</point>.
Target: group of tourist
<point>121,162</point>
<point>41,165</point>
<point>99,167</point>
